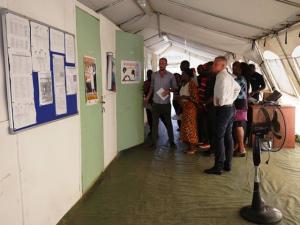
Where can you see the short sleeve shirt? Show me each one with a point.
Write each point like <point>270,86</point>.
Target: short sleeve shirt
<point>166,81</point>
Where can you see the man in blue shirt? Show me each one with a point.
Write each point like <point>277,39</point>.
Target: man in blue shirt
<point>162,84</point>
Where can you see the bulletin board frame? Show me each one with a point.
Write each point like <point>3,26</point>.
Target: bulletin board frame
<point>45,114</point>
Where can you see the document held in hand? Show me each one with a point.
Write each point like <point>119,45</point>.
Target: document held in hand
<point>160,94</point>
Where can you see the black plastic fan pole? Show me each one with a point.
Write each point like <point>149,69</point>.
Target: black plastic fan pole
<point>258,212</point>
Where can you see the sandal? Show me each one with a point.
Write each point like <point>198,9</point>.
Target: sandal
<point>191,152</point>
<point>237,153</point>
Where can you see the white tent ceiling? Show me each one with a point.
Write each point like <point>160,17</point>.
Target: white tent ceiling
<point>211,26</point>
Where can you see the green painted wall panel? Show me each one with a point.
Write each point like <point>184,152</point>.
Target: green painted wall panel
<point>130,114</point>
<point>88,44</point>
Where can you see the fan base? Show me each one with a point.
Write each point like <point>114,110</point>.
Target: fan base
<point>266,215</point>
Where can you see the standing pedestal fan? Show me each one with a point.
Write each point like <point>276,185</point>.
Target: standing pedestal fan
<point>258,211</point>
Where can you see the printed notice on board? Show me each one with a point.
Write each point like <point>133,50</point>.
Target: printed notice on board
<point>18,33</point>
<point>24,114</point>
<point>45,88</point>
<point>20,63</point>
<point>59,84</point>
<point>57,41</point>
<point>40,47</point>
<point>70,48</point>
<point>39,36</point>
<point>40,60</point>
<point>22,88</point>
<point>71,79</point>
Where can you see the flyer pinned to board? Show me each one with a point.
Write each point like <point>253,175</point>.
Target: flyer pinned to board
<point>130,72</point>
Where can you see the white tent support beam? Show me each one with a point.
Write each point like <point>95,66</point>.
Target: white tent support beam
<point>109,5</point>
<point>216,16</point>
<point>196,55</point>
<point>219,34</point>
<point>147,9</point>
<point>155,43</point>
<point>165,49</point>
<point>149,38</point>
<point>158,24</point>
<point>130,19</point>
<point>203,45</point>
<point>282,27</point>
<point>206,28</point>
<point>287,2</point>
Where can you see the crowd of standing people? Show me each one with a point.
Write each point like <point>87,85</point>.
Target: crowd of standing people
<point>211,107</point>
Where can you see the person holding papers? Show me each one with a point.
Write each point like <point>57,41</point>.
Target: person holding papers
<point>162,84</point>
<point>189,99</point>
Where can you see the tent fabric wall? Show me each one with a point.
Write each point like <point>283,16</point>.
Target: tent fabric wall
<point>272,44</point>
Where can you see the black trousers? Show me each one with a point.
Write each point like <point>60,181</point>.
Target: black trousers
<point>203,126</point>
<point>162,111</point>
<point>178,111</point>
<point>149,118</point>
<point>223,142</point>
<point>211,123</point>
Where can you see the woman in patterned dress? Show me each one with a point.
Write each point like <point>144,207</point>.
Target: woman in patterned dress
<point>189,99</point>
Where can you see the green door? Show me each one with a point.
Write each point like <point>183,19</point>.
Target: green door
<point>88,44</point>
<point>130,112</point>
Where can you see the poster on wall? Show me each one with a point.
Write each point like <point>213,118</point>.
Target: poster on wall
<point>111,72</point>
<point>130,72</point>
<point>90,78</point>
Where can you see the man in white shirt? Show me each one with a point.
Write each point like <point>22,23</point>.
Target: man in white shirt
<point>226,91</point>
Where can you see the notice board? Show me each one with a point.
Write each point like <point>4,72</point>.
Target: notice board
<point>40,71</point>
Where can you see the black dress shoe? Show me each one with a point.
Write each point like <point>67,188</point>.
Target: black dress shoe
<point>207,152</point>
<point>172,145</point>
<point>227,168</point>
<point>152,147</point>
<point>213,170</point>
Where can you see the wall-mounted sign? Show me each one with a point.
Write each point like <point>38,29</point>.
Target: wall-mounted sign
<point>130,72</point>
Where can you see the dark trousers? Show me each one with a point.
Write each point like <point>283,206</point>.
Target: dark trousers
<point>211,123</point>
<point>162,111</point>
<point>178,111</point>
<point>149,118</point>
<point>203,132</point>
<point>223,136</point>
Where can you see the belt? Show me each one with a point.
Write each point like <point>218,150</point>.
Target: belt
<point>225,106</point>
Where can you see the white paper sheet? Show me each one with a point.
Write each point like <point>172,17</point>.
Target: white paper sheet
<point>70,48</point>
<point>45,88</point>
<point>18,33</point>
<point>59,85</point>
<point>20,63</point>
<point>160,94</point>
<point>22,89</point>
<point>24,114</point>
<point>40,60</point>
<point>39,36</point>
<point>57,41</point>
<point>71,79</point>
